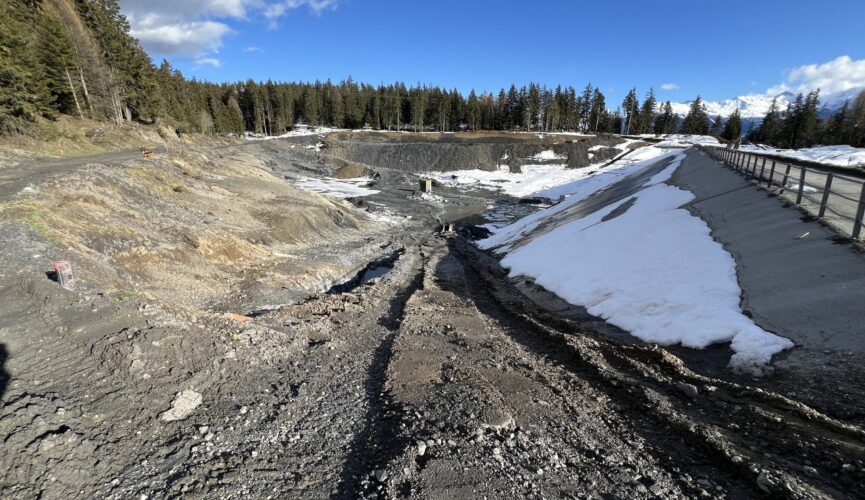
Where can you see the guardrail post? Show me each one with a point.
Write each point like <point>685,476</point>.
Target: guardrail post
<point>825,200</point>
<point>762,169</point>
<point>772,174</point>
<point>801,185</point>
<point>786,176</point>
<point>860,213</point>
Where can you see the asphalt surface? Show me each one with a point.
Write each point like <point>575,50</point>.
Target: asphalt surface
<point>810,289</point>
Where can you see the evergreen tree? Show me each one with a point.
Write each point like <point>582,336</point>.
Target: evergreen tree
<point>733,128</point>
<point>647,113</point>
<point>631,110</point>
<point>717,128</point>
<point>696,121</point>
<point>769,131</point>
<point>665,123</point>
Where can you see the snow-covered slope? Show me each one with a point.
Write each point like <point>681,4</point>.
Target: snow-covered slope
<point>641,262</point>
<point>836,156</point>
<point>756,105</point>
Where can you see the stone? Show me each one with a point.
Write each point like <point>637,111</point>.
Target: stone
<point>185,402</point>
<point>689,390</point>
<point>380,475</point>
<point>421,448</point>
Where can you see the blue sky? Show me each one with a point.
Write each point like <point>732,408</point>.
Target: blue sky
<point>714,49</point>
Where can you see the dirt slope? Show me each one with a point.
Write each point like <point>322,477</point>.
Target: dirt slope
<point>438,379</point>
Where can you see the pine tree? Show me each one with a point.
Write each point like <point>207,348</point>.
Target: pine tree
<point>769,131</point>
<point>631,113</point>
<point>696,121</point>
<point>733,128</point>
<point>647,113</point>
<point>665,122</point>
<point>598,120</point>
<point>586,100</point>
<point>717,128</point>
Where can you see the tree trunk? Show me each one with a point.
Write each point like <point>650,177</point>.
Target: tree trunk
<point>74,95</point>
<point>86,93</point>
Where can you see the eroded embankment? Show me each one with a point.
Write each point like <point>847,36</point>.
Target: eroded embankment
<point>445,152</point>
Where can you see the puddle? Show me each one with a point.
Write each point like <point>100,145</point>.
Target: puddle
<point>373,270</point>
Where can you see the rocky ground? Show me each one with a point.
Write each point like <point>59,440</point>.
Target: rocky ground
<point>438,379</point>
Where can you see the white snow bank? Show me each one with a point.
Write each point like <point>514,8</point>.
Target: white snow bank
<point>593,181</point>
<point>297,132</point>
<point>653,270</point>
<point>337,188</point>
<point>682,140</point>
<point>838,156</point>
<point>547,181</point>
<point>548,154</point>
<point>532,179</point>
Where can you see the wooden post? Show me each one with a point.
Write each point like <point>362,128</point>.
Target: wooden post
<point>825,199</point>
<point>762,169</point>
<point>860,213</point>
<point>772,174</point>
<point>786,176</point>
<point>801,185</point>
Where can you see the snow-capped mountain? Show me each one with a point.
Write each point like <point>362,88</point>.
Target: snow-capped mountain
<point>756,105</point>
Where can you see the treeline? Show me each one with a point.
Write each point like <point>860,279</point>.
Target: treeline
<point>800,126</point>
<point>76,57</point>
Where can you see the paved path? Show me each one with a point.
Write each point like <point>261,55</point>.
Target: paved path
<point>811,290</point>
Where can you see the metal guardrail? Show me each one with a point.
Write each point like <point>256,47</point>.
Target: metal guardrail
<point>835,198</point>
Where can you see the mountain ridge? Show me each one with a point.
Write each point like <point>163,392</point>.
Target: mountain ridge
<point>756,105</point>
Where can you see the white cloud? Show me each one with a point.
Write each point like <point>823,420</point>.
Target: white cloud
<point>186,9</point>
<point>208,61</point>
<point>197,27</point>
<point>842,73</point>
<point>253,49</point>
<point>194,38</point>
<point>669,86</point>
<point>315,6</point>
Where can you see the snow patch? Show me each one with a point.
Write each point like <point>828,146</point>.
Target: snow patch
<point>836,156</point>
<point>653,269</point>
<point>337,188</point>
<point>548,154</point>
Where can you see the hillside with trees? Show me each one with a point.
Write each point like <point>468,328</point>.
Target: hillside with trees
<point>76,57</point>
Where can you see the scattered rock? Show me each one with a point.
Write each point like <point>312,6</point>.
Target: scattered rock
<point>421,448</point>
<point>689,390</point>
<point>765,483</point>
<point>183,405</point>
<point>811,471</point>
<point>380,475</point>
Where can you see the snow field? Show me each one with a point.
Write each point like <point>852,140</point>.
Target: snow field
<point>653,270</point>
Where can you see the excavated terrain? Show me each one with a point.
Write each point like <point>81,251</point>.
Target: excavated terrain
<point>426,374</point>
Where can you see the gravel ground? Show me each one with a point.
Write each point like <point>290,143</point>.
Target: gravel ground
<point>438,379</point>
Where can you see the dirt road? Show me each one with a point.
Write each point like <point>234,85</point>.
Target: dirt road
<point>438,379</point>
